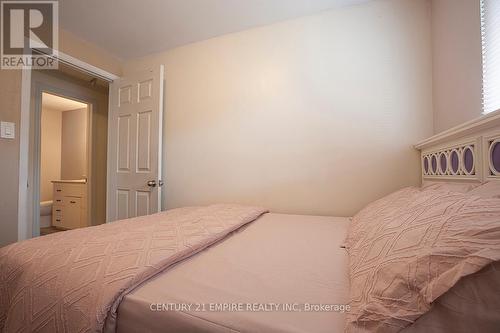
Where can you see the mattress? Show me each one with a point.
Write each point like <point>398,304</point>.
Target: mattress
<point>281,273</point>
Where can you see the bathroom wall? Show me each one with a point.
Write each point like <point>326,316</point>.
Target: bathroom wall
<point>63,147</point>
<point>50,151</point>
<point>74,144</point>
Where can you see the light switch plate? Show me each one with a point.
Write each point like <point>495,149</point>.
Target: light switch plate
<point>7,130</point>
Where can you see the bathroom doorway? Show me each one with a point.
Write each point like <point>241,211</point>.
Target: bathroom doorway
<point>64,163</point>
<point>68,150</point>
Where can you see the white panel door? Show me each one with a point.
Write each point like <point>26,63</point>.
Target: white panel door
<point>134,145</point>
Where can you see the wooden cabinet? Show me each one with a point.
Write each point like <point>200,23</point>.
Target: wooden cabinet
<point>69,209</point>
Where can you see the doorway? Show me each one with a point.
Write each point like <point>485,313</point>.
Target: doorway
<point>67,150</point>
<point>64,163</point>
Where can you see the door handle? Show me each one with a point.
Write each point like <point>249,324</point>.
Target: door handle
<point>152,183</point>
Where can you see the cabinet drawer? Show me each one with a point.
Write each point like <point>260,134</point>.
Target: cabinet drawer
<point>59,201</point>
<point>57,221</point>
<point>64,189</point>
<point>58,189</point>
<point>57,210</point>
<point>64,201</point>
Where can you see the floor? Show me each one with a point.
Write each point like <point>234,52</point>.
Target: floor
<point>48,230</point>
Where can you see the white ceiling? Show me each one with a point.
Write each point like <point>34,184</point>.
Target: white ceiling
<point>56,103</point>
<point>134,28</point>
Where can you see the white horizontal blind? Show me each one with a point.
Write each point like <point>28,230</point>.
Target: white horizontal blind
<point>490,31</point>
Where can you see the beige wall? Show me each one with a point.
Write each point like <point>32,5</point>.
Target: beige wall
<point>315,115</point>
<point>50,156</point>
<point>88,52</point>
<point>10,104</point>
<point>457,75</point>
<point>74,144</point>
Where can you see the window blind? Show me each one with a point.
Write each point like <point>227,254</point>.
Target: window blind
<point>490,32</point>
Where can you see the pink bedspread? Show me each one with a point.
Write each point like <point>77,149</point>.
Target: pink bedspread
<point>72,281</point>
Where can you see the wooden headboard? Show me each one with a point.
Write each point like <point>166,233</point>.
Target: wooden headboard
<point>468,152</point>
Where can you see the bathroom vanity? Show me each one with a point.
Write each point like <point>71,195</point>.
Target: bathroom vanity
<point>69,209</point>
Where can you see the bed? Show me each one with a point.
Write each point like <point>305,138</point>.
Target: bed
<point>307,266</point>
<point>230,268</point>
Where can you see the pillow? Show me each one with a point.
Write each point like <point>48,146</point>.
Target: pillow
<point>449,186</point>
<point>487,190</point>
<point>409,248</point>
<point>376,210</point>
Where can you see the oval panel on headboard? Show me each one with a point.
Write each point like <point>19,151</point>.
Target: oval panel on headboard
<point>454,161</point>
<point>469,151</point>
<point>494,156</point>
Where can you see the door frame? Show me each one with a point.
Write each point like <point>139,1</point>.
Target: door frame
<point>26,196</point>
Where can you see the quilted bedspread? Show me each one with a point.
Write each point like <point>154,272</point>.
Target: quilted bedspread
<point>72,281</point>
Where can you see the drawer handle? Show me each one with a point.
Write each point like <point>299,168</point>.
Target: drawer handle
<point>58,200</point>
<point>72,202</point>
<point>58,210</point>
<point>58,190</point>
<point>57,220</point>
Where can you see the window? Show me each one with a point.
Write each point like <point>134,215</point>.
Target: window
<point>490,32</point>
